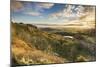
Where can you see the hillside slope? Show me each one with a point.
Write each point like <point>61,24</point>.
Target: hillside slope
<point>31,45</point>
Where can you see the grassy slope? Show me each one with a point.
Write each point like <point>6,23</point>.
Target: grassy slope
<point>33,46</point>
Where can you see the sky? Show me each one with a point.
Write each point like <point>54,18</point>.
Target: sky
<point>50,13</point>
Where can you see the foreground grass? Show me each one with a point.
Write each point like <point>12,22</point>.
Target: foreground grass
<point>31,45</point>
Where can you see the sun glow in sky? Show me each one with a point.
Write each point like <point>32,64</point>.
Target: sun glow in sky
<point>51,13</point>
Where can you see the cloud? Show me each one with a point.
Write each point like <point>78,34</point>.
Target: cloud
<point>41,6</point>
<point>73,12</point>
<point>16,5</point>
<point>86,16</point>
<point>30,8</point>
<point>38,8</point>
<point>33,13</point>
<point>66,13</point>
<point>89,12</point>
<point>45,5</point>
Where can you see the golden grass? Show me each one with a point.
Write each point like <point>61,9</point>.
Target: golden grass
<point>27,55</point>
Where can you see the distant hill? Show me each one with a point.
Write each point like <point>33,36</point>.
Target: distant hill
<point>30,45</point>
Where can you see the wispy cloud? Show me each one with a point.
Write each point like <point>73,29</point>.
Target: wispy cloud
<point>53,13</point>
<point>30,8</point>
<point>39,9</point>
<point>32,13</point>
<point>45,5</point>
<point>73,12</point>
<point>16,5</point>
<point>41,6</point>
<point>67,13</point>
